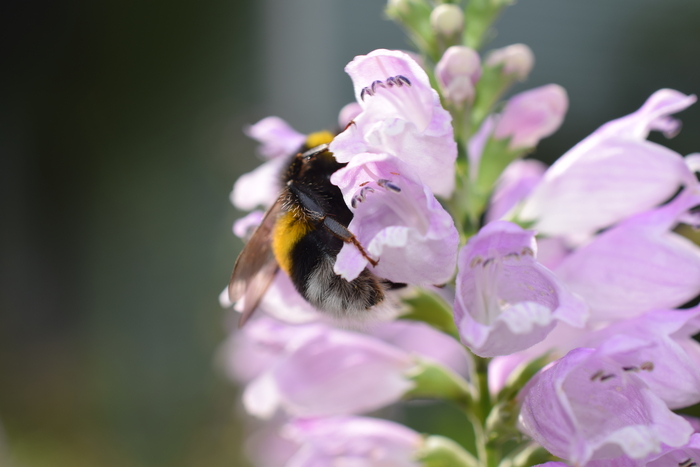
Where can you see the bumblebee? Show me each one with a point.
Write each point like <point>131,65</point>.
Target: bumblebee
<point>302,233</point>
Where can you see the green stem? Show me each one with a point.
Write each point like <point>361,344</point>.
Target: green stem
<point>489,455</point>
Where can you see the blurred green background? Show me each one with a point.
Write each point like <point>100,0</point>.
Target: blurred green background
<point>120,139</point>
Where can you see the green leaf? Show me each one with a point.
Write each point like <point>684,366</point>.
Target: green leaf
<point>434,381</point>
<point>521,375</point>
<point>430,308</point>
<point>414,17</point>
<point>438,451</point>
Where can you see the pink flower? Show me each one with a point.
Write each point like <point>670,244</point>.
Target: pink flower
<point>353,441</point>
<point>638,265</point>
<point>402,116</point>
<point>586,407</point>
<point>612,174</point>
<point>418,338</point>
<point>506,301</point>
<point>532,115</point>
<point>658,347</point>
<point>261,186</point>
<point>325,371</point>
<point>397,220</point>
<point>514,184</point>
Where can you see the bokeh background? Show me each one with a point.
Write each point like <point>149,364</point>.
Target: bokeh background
<point>120,139</point>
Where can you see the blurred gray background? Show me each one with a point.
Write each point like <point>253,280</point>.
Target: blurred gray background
<point>120,139</point>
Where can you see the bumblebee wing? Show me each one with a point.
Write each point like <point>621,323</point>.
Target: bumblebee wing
<point>256,266</point>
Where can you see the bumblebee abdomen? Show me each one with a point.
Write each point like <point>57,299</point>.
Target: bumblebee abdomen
<point>313,258</point>
<point>287,233</point>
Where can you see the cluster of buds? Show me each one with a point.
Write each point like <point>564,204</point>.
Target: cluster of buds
<point>559,333</point>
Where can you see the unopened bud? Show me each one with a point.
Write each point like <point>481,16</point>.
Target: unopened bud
<point>457,73</point>
<point>447,19</point>
<point>532,115</point>
<point>400,6</point>
<point>516,59</point>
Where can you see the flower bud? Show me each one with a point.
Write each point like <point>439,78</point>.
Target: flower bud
<point>447,19</point>
<point>516,60</point>
<point>399,6</point>
<point>532,115</point>
<point>457,72</point>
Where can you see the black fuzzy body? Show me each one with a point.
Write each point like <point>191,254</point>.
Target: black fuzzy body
<point>311,197</point>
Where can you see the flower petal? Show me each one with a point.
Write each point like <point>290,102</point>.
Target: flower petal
<point>532,115</point>
<point>276,137</point>
<point>612,174</point>
<point>514,184</point>
<point>659,348</point>
<point>260,187</point>
<point>506,301</point>
<point>585,407</point>
<point>339,372</point>
<point>402,116</point>
<point>398,221</point>
<point>637,266</point>
<point>353,441</point>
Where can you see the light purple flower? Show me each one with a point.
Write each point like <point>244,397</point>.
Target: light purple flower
<point>638,265</point>
<point>348,113</point>
<point>613,173</point>
<point>276,137</point>
<point>532,115</point>
<point>683,456</point>
<point>659,348</point>
<point>283,301</point>
<point>457,73</point>
<point>561,340</point>
<point>402,116</point>
<point>330,373</point>
<point>267,447</point>
<point>261,187</point>
<point>514,184</point>
<point>586,407</point>
<point>244,227</point>
<point>506,301</point>
<point>257,347</point>
<point>397,220</point>
<point>353,441</point>
<point>420,339</point>
<point>516,60</point>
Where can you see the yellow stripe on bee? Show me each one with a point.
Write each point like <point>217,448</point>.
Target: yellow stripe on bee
<point>287,233</point>
<point>319,138</point>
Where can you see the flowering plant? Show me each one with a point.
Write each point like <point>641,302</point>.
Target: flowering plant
<point>558,334</point>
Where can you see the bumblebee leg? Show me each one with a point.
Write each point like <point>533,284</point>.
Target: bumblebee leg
<point>315,151</point>
<point>340,231</point>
